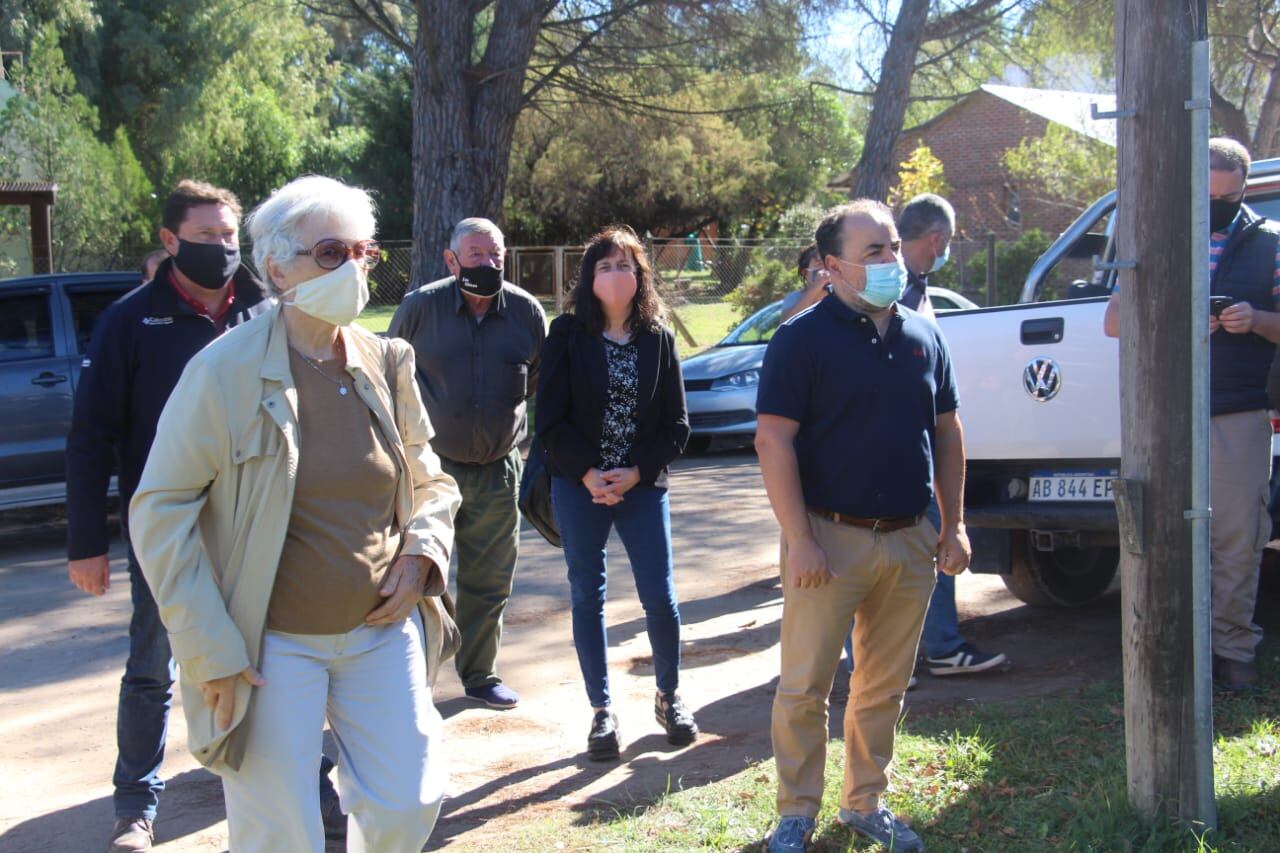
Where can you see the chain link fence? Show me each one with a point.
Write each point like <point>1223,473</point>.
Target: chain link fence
<point>710,285</point>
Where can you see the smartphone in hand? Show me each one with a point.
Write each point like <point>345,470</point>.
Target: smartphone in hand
<point>1218,304</point>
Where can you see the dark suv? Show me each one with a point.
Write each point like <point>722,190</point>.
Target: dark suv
<point>45,325</point>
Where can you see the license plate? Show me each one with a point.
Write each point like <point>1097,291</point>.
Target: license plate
<point>1071,486</point>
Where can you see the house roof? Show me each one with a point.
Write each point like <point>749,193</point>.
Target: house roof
<point>1069,109</point>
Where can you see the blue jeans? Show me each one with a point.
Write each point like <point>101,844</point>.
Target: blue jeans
<point>643,520</point>
<point>941,636</point>
<point>146,694</point>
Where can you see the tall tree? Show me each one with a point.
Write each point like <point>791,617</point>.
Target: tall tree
<point>48,132</point>
<point>889,104</point>
<point>955,26</point>
<point>1245,92</point>
<point>477,64</point>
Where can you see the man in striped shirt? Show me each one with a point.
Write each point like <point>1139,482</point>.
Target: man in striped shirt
<point>1244,269</point>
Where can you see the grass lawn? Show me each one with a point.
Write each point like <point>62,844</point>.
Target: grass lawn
<point>1035,775</point>
<point>376,318</point>
<point>707,323</point>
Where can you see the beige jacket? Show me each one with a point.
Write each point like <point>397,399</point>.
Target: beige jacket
<point>209,517</point>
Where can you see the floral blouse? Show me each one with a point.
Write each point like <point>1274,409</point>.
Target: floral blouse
<point>619,428</point>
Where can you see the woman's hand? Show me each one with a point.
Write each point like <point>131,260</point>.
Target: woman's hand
<point>601,489</point>
<point>220,694</point>
<point>406,583</point>
<point>621,480</point>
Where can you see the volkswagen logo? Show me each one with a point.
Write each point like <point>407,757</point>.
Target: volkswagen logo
<point>1042,379</point>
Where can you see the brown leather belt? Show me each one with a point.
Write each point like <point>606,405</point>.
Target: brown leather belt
<point>875,525</point>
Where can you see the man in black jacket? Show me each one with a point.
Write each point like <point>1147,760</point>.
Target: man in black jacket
<point>140,346</point>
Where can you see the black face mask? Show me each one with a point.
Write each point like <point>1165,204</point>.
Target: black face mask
<point>1222,213</point>
<point>481,281</point>
<point>209,265</point>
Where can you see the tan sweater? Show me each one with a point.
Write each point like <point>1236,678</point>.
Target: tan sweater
<point>342,536</point>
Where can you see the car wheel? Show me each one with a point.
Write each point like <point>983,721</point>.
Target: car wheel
<point>1066,577</point>
<point>697,444</point>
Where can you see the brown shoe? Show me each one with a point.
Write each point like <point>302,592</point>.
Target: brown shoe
<point>1235,675</point>
<point>131,834</point>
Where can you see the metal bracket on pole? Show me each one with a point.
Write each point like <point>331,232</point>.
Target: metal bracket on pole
<point>1128,494</point>
<point>1103,266</point>
<point>1198,104</point>
<point>1096,113</point>
<point>1197,514</point>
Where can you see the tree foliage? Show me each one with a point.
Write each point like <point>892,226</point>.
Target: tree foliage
<point>921,172</point>
<point>1062,167</point>
<point>48,133</point>
<point>237,92</point>
<point>739,152</point>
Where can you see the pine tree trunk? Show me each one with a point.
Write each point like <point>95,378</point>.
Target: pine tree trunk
<point>464,118</point>
<point>875,169</point>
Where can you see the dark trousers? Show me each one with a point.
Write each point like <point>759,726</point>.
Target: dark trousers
<point>146,694</point>
<point>487,542</point>
<point>643,521</point>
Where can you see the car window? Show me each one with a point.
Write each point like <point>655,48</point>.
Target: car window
<point>86,307</point>
<point>942,303</point>
<point>26,327</point>
<point>756,329</point>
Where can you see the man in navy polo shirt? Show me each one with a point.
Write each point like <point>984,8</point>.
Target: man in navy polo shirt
<point>857,430</point>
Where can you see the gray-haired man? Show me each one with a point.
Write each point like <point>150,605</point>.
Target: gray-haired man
<point>477,340</point>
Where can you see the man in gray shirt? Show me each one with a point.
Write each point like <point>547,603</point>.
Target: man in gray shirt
<point>477,339</point>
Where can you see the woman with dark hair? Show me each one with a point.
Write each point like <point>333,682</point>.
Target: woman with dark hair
<point>611,416</point>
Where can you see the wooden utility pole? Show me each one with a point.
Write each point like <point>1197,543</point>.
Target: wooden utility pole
<point>1167,688</point>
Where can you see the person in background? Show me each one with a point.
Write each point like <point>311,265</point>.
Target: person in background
<point>151,262</point>
<point>296,528</point>
<point>139,347</point>
<point>611,416</point>
<point>1244,265</point>
<point>926,225</point>
<point>477,341</point>
<point>814,280</point>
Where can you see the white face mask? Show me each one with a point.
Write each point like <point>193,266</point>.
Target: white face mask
<point>336,297</point>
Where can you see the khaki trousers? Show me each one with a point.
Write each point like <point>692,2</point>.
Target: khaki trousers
<point>1240,461</point>
<point>886,580</point>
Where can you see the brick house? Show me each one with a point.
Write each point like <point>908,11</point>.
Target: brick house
<point>971,137</point>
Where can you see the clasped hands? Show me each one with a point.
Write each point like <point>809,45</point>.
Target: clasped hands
<point>608,487</point>
<point>410,578</point>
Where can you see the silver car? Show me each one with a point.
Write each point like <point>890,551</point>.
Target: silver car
<point>720,383</point>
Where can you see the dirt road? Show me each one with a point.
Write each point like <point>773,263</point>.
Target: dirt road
<point>64,653</point>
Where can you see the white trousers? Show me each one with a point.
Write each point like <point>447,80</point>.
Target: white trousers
<point>371,684</point>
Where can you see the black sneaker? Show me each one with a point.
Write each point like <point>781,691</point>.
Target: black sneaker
<point>672,715</point>
<point>965,660</point>
<point>604,741</point>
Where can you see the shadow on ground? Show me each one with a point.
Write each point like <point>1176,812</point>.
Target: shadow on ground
<point>191,802</point>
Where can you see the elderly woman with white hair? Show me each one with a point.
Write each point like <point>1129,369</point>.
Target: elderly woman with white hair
<point>295,527</point>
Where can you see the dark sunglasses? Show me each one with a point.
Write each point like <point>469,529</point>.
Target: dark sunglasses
<point>329,254</point>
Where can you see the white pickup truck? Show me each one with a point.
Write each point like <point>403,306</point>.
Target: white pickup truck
<point>1041,407</point>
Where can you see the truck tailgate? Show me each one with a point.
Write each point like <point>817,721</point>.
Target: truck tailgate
<point>1037,381</point>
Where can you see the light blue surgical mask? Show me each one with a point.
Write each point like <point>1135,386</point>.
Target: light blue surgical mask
<point>941,261</point>
<point>885,282</point>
